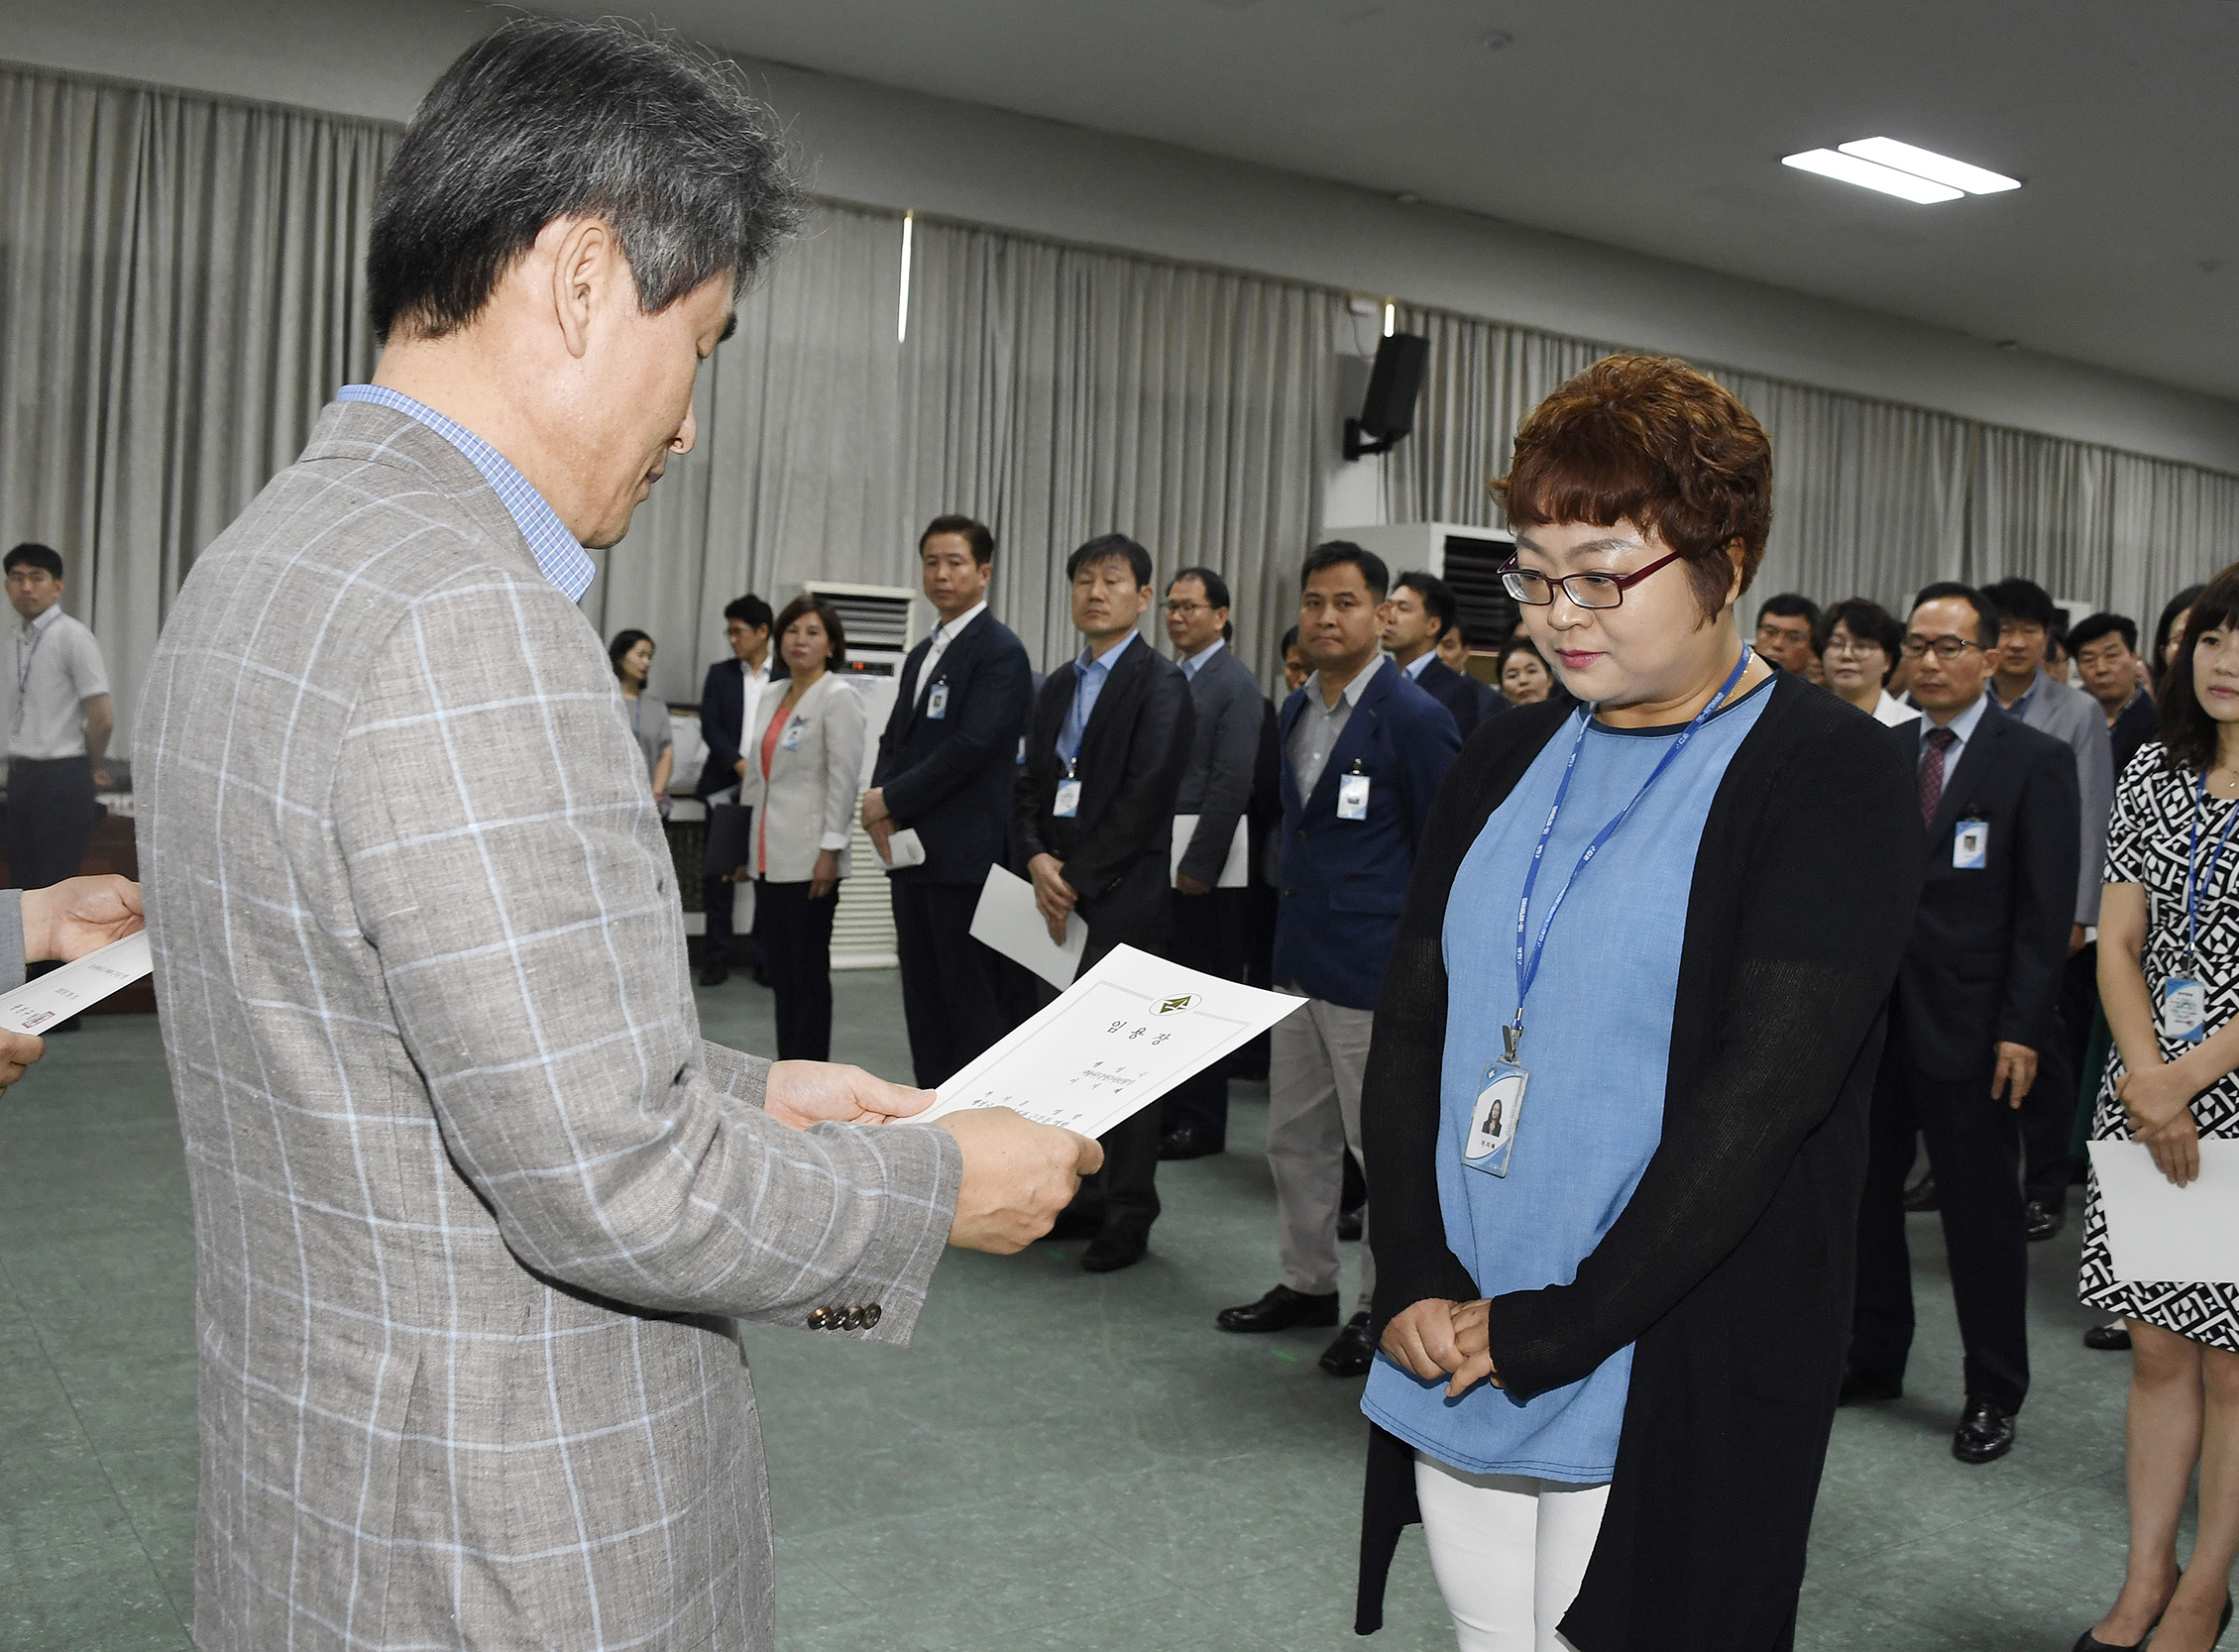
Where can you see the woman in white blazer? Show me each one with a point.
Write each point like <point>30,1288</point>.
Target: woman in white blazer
<point>804,767</point>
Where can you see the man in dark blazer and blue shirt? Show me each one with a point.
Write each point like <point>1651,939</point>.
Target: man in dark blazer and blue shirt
<point>730,699</point>
<point>1212,925</point>
<point>1969,1017</point>
<point>947,763</point>
<point>1091,828</point>
<point>1364,750</point>
<point>1416,618</point>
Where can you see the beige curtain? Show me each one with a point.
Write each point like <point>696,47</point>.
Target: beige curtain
<point>181,288</point>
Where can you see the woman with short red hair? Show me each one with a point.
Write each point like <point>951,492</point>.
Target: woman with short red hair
<point>1616,1108</point>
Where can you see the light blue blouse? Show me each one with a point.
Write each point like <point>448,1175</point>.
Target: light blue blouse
<point>1597,1043</point>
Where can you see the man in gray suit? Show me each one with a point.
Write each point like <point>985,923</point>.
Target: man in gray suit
<point>476,1207</point>
<point>1211,924</point>
<point>2025,690</point>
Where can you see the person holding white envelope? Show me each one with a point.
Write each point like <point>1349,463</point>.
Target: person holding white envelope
<point>63,922</point>
<point>2169,975</point>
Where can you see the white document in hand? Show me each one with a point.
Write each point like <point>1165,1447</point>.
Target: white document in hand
<point>2160,1233</point>
<point>1234,870</point>
<point>60,993</point>
<point>1007,920</point>
<point>1119,1037</point>
<point>905,848</point>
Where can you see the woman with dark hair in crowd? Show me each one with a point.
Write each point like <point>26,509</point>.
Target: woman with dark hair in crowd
<point>631,655</point>
<point>1858,645</point>
<point>2169,633</point>
<point>1523,674</point>
<point>1615,1105</point>
<point>2168,978</point>
<point>804,778</point>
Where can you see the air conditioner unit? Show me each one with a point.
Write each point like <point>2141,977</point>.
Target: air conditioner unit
<point>881,626</point>
<point>1468,559</point>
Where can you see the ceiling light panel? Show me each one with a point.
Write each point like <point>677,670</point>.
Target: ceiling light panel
<point>1867,175</point>
<point>1926,163</point>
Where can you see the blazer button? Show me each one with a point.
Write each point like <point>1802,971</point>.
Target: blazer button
<point>819,1318</point>
<point>871,1314</point>
<point>854,1319</point>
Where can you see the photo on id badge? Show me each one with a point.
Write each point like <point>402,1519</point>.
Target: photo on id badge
<point>1970,845</point>
<point>1493,1121</point>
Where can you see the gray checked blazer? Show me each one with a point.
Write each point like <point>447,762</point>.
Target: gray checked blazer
<point>475,1206</point>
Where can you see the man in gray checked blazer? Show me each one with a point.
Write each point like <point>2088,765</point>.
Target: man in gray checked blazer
<point>476,1206</point>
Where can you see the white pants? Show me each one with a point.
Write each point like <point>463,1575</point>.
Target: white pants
<point>1508,1552</point>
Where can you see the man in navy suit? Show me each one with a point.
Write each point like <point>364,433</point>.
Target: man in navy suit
<point>1970,1019</point>
<point>1364,750</point>
<point>947,763</point>
<point>1419,615</point>
<point>729,700</point>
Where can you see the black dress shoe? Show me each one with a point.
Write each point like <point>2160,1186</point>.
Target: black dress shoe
<point>2110,1338</point>
<point>1863,1387</point>
<point>1351,1352</point>
<point>1109,1252</point>
<point>1278,1310</point>
<point>2090,1643</point>
<point>714,973</point>
<point>1075,1223</point>
<point>1921,1195</point>
<point>2040,1221</point>
<point>1985,1432</point>
<point>1187,1143</point>
<point>1349,1224</point>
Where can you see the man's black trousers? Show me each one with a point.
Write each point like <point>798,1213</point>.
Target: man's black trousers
<point>953,993</point>
<point>49,819</point>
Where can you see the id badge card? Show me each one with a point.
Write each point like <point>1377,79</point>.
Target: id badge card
<point>2184,1010</point>
<point>1352,797</point>
<point>790,740</point>
<point>1493,1121</point>
<point>1069,799</point>
<point>1970,845</point>
<point>936,701</point>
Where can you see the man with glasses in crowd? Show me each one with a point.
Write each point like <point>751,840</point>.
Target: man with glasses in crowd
<point>1785,624</point>
<point>1968,1020</point>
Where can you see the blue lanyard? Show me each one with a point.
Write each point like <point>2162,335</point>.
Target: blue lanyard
<point>2194,891</point>
<point>1528,965</point>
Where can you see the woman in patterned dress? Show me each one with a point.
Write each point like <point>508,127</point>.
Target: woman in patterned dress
<point>2172,1079</point>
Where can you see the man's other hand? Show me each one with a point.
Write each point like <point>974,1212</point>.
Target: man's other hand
<point>16,1052</point>
<point>1188,885</point>
<point>1053,898</point>
<point>803,1093</point>
<point>1018,1175</point>
<point>2017,1071</point>
<point>68,920</point>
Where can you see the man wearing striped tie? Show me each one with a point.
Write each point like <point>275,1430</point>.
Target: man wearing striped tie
<point>1973,1007</point>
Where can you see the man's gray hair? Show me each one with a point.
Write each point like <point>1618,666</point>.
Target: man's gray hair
<point>547,118</point>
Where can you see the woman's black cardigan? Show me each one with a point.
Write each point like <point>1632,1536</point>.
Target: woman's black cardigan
<point>1731,1267</point>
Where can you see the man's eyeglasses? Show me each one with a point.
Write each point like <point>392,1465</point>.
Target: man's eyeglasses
<point>1944,647</point>
<point>1586,590</point>
<point>1188,607</point>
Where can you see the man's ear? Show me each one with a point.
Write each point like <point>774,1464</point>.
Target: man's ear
<point>584,262</point>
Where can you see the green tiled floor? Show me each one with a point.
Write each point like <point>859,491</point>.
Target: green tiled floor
<point>1060,1461</point>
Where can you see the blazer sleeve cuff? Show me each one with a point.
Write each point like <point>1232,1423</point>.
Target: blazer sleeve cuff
<point>735,1072</point>
<point>11,970</point>
<point>834,841</point>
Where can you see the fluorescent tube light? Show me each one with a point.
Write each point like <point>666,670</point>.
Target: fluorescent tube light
<point>1926,163</point>
<point>902,313</point>
<point>1867,175</point>
<point>1391,318</point>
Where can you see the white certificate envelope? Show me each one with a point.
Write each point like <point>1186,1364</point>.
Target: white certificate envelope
<point>1114,1041</point>
<point>2159,1233</point>
<point>59,994</point>
<point>1007,920</point>
<point>905,847</point>
<point>1234,870</point>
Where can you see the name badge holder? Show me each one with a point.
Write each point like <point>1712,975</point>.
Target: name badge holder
<point>2185,997</point>
<point>1499,1112</point>
<point>1068,804</point>
<point>1353,794</point>
<point>1970,845</point>
<point>936,701</point>
<point>790,740</point>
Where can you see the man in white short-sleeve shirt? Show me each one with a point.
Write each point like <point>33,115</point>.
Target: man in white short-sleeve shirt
<point>58,724</point>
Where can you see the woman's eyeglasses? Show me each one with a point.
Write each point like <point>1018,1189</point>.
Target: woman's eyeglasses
<point>1851,646</point>
<point>1586,590</point>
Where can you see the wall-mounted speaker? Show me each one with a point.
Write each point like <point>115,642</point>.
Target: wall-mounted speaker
<point>1388,411</point>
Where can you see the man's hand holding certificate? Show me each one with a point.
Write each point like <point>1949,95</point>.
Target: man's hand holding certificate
<point>1115,1041</point>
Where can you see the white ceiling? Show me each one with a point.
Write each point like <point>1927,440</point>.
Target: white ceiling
<point>1659,125</point>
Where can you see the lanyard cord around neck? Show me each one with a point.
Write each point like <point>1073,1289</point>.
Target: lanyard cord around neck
<point>2195,892</point>
<point>24,658</point>
<point>1528,965</point>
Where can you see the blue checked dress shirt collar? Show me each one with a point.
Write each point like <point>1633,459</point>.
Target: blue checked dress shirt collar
<point>558,556</point>
<point>1196,662</point>
<point>1089,674</point>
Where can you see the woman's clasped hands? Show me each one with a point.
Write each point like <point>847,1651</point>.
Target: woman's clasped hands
<point>1436,1338</point>
<point>2157,1104</point>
